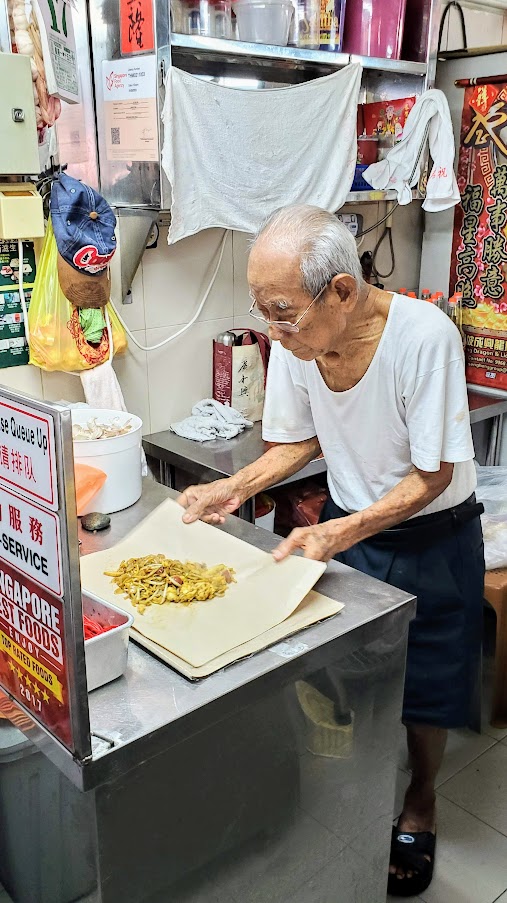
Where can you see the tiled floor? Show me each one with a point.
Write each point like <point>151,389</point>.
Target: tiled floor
<point>471,865</point>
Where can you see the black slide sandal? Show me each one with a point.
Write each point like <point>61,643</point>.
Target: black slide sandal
<point>408,852</point>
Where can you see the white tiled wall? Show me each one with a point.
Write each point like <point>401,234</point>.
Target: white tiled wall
<point>161,386</point>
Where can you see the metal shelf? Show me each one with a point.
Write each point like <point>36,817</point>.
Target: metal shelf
<point>373,196</point>
<point>201,54</point>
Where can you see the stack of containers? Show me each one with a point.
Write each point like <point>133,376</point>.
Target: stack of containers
<point>264,21</point>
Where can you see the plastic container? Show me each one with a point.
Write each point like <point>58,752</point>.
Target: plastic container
<point>359,184</point>
<point>305,31</point>
<point>220,19</point>
<point>265,512</point>
<point>119,458</point>
<point>106,654</point>
<point>264,23</point>
<point>374,28</point>
<point>46,845</point>
<point>193,17</point>
<point>367,150</point>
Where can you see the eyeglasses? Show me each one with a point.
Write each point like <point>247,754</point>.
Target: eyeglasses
<point>283,325</point>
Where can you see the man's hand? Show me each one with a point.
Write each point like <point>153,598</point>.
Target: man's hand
<point>210,502</point>
<point>321,542</point>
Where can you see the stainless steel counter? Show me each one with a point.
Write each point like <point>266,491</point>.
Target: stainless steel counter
<point>153,707</point>
<point>240,787</point>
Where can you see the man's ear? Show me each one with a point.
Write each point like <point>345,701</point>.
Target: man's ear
<point>344,287</point>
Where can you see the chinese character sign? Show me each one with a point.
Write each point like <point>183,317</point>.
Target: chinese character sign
<point>479,253</point>
<point>136,24</point>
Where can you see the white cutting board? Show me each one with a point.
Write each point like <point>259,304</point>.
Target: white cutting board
<point>265,593</point>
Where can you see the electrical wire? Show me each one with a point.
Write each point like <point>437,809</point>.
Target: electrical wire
<point>380,222</point>
<point>22,291</point>
<point>194,318</point>
<point>387,233</point>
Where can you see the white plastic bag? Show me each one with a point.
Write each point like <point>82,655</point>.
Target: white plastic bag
<point>492,492</point>
<point>492,489</point>
<point>494,528</point>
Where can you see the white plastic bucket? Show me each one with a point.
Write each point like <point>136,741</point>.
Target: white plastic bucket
<point>118,457</point>
<point>264,23</point>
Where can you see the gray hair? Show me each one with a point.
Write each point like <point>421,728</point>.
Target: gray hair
<point>324,245</point>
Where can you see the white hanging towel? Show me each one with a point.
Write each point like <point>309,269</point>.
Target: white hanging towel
<point>394,172</point>
<point>234,155</point>
<point>102,389</point>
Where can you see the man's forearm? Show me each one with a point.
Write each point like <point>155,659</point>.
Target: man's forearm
<point>413,493</point>
<point>275,465</point>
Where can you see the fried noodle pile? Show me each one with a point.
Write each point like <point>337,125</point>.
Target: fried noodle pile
<point>156,580</point>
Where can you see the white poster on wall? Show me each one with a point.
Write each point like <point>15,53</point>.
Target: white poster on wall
<point>129,89</point>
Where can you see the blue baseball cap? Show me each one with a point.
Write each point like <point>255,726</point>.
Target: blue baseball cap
<point>83,224</point>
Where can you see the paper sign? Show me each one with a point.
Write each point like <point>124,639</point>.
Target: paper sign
<point>136,27</point>
<point>32,651</point>
<point>27,453</point>
<point>9,265</point>
<point>130,109</point>
<point>59,48</point>
<point>30,540</point>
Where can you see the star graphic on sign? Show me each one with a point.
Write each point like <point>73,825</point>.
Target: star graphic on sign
<point>36,689</point>
<point>12,666</point>
<point>20,673</point>
<point>45,696</point>
<point>28,681</point>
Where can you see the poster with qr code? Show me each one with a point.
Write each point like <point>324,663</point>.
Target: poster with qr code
<point>130,109</point>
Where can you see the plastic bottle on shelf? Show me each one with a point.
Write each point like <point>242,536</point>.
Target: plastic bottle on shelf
<point>402,291</point>
<point>456,310</point>
<point>440,301</point>
<point>411,295</point>
<point>426,294</point>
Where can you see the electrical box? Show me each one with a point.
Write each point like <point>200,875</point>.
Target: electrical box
<point>21,213</point>
<point>19,149</point>
<point>353,222</point>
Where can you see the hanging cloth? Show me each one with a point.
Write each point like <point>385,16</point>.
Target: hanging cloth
<point>234,155</point>
<point>430,112</point>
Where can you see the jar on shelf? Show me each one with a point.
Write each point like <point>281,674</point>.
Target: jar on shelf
<point>220,19</point>
<point>305,31</point>
<point>193,17</point>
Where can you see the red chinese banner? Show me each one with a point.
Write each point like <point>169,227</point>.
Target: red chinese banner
<point>32,651</point>
<point>479,251</point>
<point>136,27</point>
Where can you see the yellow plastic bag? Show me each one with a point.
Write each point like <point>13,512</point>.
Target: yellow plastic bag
<point>57,341</point>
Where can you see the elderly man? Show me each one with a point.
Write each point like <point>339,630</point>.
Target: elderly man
<point>377,383</point>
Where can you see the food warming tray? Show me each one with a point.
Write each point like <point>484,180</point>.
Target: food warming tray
<point>106,654</point>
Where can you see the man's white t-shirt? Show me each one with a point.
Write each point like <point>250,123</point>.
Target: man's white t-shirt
<point>410,408</point>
